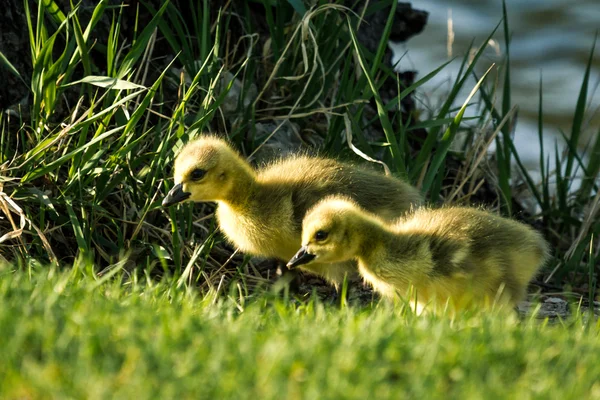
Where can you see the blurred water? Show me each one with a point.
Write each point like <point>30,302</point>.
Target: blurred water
<point>551,37</point>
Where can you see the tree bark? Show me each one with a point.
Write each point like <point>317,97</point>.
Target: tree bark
<point>14,45</point>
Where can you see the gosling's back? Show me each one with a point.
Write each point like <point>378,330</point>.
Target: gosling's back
<point>471,247</point>
<point>310,179</point>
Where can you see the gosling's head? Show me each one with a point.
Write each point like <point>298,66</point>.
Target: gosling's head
<point>206,169</point>
<point>329,233</point>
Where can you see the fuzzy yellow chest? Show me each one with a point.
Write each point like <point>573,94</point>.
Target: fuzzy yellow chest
<point>258,235</point>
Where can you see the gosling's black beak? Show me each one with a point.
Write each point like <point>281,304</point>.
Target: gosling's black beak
<point>302,257</point>
<point>175,195</point>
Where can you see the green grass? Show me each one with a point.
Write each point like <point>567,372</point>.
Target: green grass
<point>66,335</point>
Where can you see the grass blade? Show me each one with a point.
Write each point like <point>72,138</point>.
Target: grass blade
<point>432,136</point>
<point>448,137</point>
<point>504,163</point>
<point>78,232</point>
<point>397,156</point>
<point>580,110</point>
<point>7,64</point>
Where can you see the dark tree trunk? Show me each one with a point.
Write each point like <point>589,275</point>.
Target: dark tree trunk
<point>14,45</point>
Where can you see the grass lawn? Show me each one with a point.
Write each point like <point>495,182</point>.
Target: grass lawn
<point>68,335</point>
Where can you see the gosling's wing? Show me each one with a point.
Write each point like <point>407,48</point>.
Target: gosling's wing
<point>446,237</point>
<point>450,255</point>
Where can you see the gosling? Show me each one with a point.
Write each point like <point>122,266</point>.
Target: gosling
<point>453,256</point>
<point>261,211</point>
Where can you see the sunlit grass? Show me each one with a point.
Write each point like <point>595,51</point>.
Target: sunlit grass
<point>63,335</point>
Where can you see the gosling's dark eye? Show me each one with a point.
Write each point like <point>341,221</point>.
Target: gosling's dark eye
<point>197,174</point>
<point>321,235</point>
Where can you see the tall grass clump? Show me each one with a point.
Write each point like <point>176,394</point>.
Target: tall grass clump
<point>565,200</point>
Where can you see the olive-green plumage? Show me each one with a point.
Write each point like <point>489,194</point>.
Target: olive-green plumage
<point>261,210</point>
<point>453,254</point>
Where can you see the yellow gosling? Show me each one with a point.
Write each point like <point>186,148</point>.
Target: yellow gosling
<point>453,256</point>
<point>261,210</point>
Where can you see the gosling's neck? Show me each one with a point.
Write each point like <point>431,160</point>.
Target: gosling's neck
<point>410,254</point>
<point>373,235</point>
<point>242,184</point>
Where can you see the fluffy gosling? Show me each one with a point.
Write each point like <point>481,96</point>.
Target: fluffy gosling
<point>261,211</point>
<point>453,256</point>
